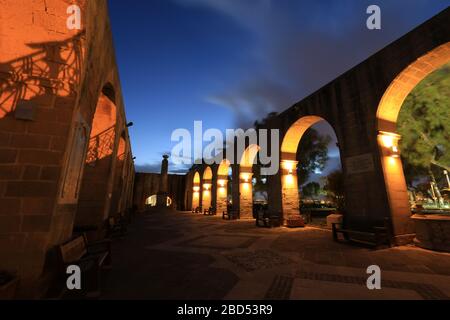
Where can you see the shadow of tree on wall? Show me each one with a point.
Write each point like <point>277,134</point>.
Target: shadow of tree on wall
<point>53,68</point>
<point>38,93</point>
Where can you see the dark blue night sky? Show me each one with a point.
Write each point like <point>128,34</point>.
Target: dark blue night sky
<point>230,62</point>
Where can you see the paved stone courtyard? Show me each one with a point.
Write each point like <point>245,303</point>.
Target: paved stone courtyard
<point>176,255</point>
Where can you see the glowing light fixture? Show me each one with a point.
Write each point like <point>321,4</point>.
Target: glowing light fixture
<point>289,166</point>
<point>245,177</point>
<point>207,186</point>
<point>389,141</point>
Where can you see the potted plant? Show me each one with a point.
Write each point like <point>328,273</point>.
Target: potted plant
<point>8,285</point>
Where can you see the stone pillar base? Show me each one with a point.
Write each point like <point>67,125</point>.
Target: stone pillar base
<point>432,232</point>
<point>404,239</point>
<point>294,222</point>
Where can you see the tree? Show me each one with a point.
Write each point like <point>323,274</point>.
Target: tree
<point>424,124</point>
<point>334,186</point>
<point>312,154</point>
<point>311,189</point>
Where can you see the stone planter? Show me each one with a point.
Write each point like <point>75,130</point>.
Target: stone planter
<point>335,218</point>
<point>294,222</point>
<point>432,232</point>
<point>8,286</point>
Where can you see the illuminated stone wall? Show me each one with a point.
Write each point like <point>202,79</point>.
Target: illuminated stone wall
<point>358,105</point>
<point>51,81</point>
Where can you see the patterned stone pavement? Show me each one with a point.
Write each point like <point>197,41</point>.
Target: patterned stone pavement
<point>176,255</point>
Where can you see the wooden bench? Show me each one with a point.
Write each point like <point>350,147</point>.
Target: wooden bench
<point>294,221</point>
<point>91,258</point>
<point>210,212</point>
<point>197,210</point>
<point>267,219</point>
<point>375,238</point>
<point>116,227</point>
<point>230,215</point>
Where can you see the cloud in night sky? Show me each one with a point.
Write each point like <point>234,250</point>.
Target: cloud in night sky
<point>303,45</point>
<point>231,62</point>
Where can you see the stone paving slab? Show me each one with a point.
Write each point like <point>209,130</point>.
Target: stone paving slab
<point>186,256</point>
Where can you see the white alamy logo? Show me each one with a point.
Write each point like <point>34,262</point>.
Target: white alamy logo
<point>374,281</point>
<point>374,20</point>
<point>74,280</point>
<point>236,143</point>
<point>74,19</point>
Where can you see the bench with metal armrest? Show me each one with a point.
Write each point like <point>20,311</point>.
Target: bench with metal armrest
<point>375,238</point>
<point>230,215</point>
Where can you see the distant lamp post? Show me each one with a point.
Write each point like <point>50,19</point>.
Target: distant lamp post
<point>448,179</point>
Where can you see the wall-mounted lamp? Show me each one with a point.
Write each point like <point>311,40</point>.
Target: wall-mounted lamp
<point>394,152</point>
<point>245,177</point>
<point>390,141</point>
<point>221,183</point>
<point>196,188</point>
<point>206,186</point>
<point>289,166</point>
<point>130,124</point>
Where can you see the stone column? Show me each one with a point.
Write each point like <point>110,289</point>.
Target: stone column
<point>222,194</point>
<point>206,195</point>
<point>290,194</point>
<point>235,193</point>
<point>396,187</point>
<point>246,193</point>
<point>214,190</point>
<point>274,193</point>
<point>164,183</point>
<point>195,195</point>
<point>161,200</point>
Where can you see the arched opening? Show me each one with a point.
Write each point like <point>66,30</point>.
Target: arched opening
<point>94,198</point>
<point>248,159</point>
<point>118,177</point>
<point>196,191</point>
<point>207,187</point>
<point>311,172</point>
<point>404,91</point>
<point>152,201</point>
<point>223,186</point>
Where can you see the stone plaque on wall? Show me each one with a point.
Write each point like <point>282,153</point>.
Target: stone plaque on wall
<point>360,164</point>
<point>73,174</point>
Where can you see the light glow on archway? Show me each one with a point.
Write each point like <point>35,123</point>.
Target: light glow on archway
<point>387,115</point>
<point>207,186</point>
<point>405,82</point>
<point>196,191</point>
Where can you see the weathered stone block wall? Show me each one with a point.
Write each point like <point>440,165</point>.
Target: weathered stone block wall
<point>50,81</point>
<point>350,105</point>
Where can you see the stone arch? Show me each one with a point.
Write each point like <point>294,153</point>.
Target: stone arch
<point>196,188</point>
<point>207,187</point>
<point>152,201</point>
<point>387,114</point>
<point>248,159</point>
<point>290,200</point>
<point>94,194</point>
<point>222,186</point>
